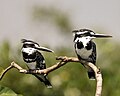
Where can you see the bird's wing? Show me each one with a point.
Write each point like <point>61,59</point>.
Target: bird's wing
<point>93,55</point>
<point>40,64</point>
<point>40,61</point>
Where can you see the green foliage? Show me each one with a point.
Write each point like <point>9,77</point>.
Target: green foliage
<point>4,53</point>
<point>4,91</point>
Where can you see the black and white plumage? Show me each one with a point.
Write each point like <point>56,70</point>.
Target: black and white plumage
<point>34,59</point>
<point>85,48</point>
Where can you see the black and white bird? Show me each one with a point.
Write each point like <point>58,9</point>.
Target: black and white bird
<point>34,59</point>
<point>85,48</point>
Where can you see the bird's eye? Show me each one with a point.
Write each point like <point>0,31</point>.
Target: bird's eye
<point>24,45</point>
<point>78,35</point>
<point>87,34</point>
<point>32,45</point>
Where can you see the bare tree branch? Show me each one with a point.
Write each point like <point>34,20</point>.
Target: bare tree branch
<point>98,76</point>
<point>63,61</point>
<point>5,71</point>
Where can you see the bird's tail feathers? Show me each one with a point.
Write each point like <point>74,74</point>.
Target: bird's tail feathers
<point>44,79</point>
<point>91,75</point>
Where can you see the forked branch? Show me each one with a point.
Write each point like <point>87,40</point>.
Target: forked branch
<point>63,61</point>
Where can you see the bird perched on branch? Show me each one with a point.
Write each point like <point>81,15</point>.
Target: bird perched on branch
<point>85,48</point>
<point>34,59</point>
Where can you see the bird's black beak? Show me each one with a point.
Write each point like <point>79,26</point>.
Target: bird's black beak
<point>44,49</point>
<point>101,36</point>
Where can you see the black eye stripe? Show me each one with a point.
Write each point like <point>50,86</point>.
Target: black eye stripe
<point>82,35</point>
<point>28,45</point>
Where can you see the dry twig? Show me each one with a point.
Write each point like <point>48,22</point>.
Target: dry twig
<point>63,61</point>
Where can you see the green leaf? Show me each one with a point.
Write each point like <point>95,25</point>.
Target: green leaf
<point>5,91</point>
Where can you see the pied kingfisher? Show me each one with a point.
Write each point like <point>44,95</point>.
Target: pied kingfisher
<point>34,59</point>
<point>85,48</point>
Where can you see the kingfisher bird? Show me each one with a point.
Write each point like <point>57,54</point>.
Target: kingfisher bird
<point>34,59</point>
<point>85,48</point>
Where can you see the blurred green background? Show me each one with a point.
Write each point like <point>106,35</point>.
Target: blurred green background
<point>69,80</point>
